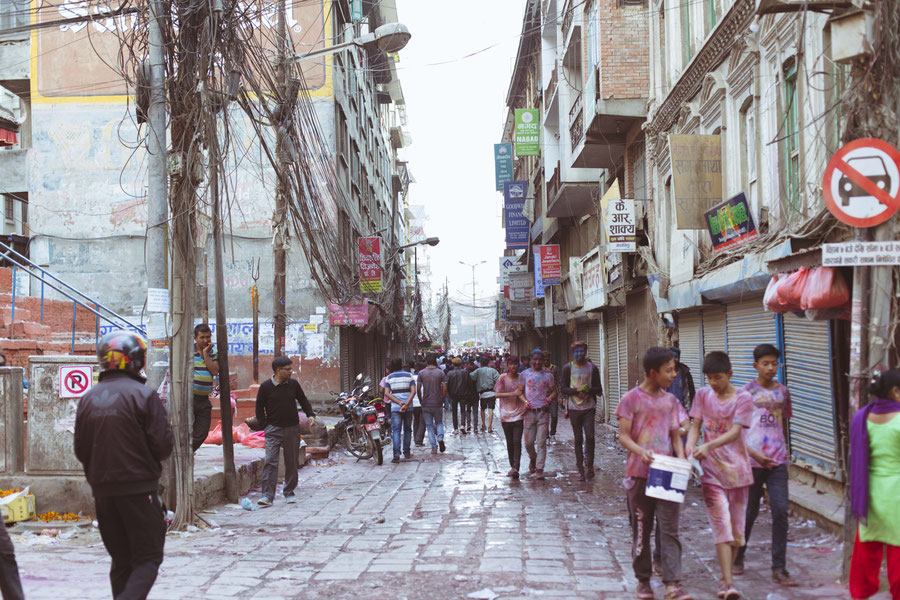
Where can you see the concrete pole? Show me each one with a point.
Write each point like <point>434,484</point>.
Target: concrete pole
<point>279,284</point>
<point>157,188</point>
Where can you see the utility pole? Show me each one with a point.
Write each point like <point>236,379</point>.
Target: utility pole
<point>474,315</point>
<point>279,287</point>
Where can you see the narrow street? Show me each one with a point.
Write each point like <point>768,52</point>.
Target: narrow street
<point>446,526</point>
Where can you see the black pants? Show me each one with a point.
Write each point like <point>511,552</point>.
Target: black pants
<point>133,530</point>
<point>418,426</point>
<point>202,416</point>
<point>457,406</point>
<point>776,482</point>
<point>513,431</point>
<point>470,417</point>
<point>10,584</point>
<point>554,417</point>
<point>583,428</point>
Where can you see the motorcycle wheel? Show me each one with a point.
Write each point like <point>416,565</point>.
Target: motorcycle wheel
<point>357,442</point>
<point>378,453</point>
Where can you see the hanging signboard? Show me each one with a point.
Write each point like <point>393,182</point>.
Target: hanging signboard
<point>731,223</point>
<point>516,224</point>
<point>862,183</point>
<point>528,132</point>
<point>521,286</point>
<point>696,177</point>
<point>503,164</point>
<point>860,254</point>
<point>592,280</point>
<point>370,264</point>
<point>538,283</point>
<point>356,313</point>
<point>551,270</point>
<point>621,232</point>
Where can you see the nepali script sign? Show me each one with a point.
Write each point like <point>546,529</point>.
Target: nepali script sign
<point>355,313</point>
<point>696,177</point>
<point>621,232</point>
<point>731,223</point>
<point>503,164</point>
<point>515,222</point>
<point>528,132</point>
<point>861,254</point>
<point>370,264</point>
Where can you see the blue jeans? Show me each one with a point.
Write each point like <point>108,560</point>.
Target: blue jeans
<point>434,417</point>
<point>776,482</point>
<point>404,420</point>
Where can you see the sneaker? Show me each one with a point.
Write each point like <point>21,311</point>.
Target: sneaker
<point>292,499</point>
<point>396,459</point>
<point>738,568</point>
<point>539,475</point>
<point>676,592</point>
<point>264,501</point>
<point>442,446</point>
<point>644,591</point>
<point>657,568</point>
<point>782,577</point>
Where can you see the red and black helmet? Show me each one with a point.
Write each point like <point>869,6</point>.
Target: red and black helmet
<point>122,351</point>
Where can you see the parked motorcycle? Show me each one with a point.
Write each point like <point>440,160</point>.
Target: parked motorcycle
<point>360,426</point>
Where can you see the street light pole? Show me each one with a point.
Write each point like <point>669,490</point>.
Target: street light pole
<point>474,315</point>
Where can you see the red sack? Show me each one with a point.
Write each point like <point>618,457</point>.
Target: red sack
<point>257,439</point>
<point>825,288</point>
<point>790,290</point>
<point>770,299</point>
<point>240,432</point>
<point>215,436</point>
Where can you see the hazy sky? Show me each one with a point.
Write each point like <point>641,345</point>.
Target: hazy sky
<point>456,112</point>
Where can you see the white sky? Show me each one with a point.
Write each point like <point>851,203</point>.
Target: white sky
<point>456,113</point>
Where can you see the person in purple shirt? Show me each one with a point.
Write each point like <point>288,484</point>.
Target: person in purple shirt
<point>539,388</point>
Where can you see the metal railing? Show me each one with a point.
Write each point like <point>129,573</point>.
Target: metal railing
<point>552,85</point>
<point>576,121</point>
<point>78,298</point>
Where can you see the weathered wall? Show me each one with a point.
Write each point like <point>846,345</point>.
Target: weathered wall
<point>12,426</point>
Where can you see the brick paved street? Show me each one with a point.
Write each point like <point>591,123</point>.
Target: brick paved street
<point>436,527</point>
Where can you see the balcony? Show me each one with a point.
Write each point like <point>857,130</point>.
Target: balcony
<point>551,96</point>
<point>598,136</point>
<point>570,192</point>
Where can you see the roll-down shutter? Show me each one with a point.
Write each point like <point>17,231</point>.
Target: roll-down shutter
<point>807,361</point>
<point>714,339</point>
<point>346,362</point>
<point>616,360</point>
<point>690,343</point>
<point>749,325</point>
<point>622,331</point>
<point>595,350</point>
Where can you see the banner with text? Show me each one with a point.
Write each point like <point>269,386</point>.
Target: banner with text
<point>356,313</point>
<point>503,164</point>
<point>593,280</point>
<point>731,223</point>
<point>538,284</point>
<point>370,264</point>
<point>551,269</point>
<point>696,177</point>
<point>516,224</point>
<point>621,233</point>
<point>528,132</point>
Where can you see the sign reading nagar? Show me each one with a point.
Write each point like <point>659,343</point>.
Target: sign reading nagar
<point>527,132</point>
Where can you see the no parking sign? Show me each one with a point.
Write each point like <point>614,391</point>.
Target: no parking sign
<point>862,183</point>
<point>75,380</point>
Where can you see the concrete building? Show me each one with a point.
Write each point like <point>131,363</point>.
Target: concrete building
<point>78,178</point>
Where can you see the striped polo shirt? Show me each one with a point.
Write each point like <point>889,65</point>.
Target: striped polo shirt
<point>203,379</point>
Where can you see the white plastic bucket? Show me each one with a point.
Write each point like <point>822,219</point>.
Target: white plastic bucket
<point>668,479</point>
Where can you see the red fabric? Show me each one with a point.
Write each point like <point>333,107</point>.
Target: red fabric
<point>865,568</point>
<point>8,138</point>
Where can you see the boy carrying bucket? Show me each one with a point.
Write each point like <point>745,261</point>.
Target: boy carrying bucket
<point>648,425</point>
<point>767,446</point>
<point>721,412</point>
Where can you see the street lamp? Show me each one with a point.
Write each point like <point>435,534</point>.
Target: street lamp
<point>390,37</point>
<point>474,315</point>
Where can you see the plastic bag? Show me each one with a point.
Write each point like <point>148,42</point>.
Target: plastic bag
<point>215,436</point>
<point>770,299</point>
<point>256,439</point>
<point>790,290</point>
<point>825,288</point>
<point>240,432</point>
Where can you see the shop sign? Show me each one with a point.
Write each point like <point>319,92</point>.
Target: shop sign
<point>515,222</point>
<point>352,313</point>
<point>370,264</point>
<point>731,224</point>
<point>521,286</point>
<point>861,186</point>
<point>621,232</point>
<point>503,164</point>
<point>551,269</point>
<point>528,132</point>
<point>538,283</point>
<point>592,280</point>
<point>696,177</point>
<point>861,254</point>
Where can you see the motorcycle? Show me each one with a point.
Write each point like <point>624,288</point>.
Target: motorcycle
<point>360,424</point>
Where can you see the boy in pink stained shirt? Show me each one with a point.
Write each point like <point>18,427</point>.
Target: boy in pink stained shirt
<point>648,424</point>
<point>722,412</point>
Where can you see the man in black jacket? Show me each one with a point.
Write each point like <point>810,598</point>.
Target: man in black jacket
<point>276,410</point>
<point>460,388</point>
<point>122,435</point>
<point>580,385</point>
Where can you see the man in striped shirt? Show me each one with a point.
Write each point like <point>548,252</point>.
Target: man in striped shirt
<point>400,388</point>
<point>206,367</point>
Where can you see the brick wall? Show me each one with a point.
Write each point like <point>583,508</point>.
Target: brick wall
<point>624,51</point>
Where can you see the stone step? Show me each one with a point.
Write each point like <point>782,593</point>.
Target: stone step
<point>28,330</point>
<point>22,314</point>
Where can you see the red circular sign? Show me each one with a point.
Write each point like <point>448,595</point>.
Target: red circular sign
<point>75,382</point>
<point>861,185</point>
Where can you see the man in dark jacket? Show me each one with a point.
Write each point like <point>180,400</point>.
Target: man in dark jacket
<point>122,435</point>
<point>580,386</point>
<point>276,411</point>
<point>461,388</point>
<point>683,385</point>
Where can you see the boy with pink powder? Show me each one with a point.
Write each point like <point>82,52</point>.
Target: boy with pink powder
<point>722,412</point>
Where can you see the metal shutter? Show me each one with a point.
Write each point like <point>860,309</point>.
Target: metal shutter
<point>581,333</point>
<point>595,349</point>
<point>749,325</point>
<point>346,364</point>
<point>714,338</point>
<point>807,364</point>
<point>615,362</point>
<point>690,343</point>
<point>622,331</point>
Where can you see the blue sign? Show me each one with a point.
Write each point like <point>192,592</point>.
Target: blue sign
<point>517,226</point>
<point>538,280</point>
<point>503,164</point>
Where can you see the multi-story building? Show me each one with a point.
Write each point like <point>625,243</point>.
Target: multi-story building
<point>76,178</point>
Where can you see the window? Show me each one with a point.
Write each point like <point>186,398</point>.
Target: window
<point>712,14</point>
<point>748,150</point>
<point>639,181</point>
<point>14,13</point>
<point>686,41</point>
<point>790,135</point>
<point>663,51</point>
<point>838,76</point>
<point>593,38</point>
<point>9,210</point>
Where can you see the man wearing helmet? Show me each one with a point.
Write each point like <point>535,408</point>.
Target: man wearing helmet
<point>122,435</point>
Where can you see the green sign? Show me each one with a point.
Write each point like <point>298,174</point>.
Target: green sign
<point>357,10</point>
<point>527,133</point>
